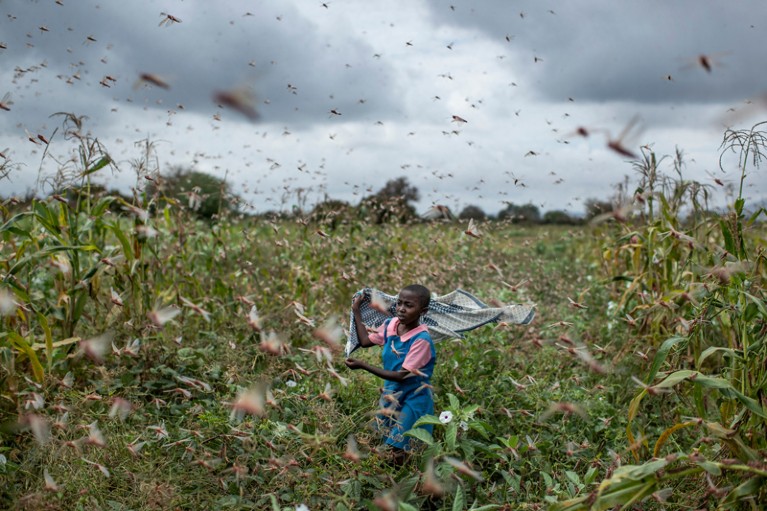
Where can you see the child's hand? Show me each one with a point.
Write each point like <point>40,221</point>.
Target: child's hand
<point>358,302</point>
<point>353,363</point>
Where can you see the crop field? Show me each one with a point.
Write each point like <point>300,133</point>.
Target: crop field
<point>152,360</point>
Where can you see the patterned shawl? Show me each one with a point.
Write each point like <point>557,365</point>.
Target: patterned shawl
<point>448,316</point>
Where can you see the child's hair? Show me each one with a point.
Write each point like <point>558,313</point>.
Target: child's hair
<point>422,292</point>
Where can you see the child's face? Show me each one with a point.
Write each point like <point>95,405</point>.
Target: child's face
<point>409,307</point>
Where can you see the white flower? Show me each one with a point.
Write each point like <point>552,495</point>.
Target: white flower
<point>463,425</point>
<point>445,417</point>
<point>291,383</point>
<point>302,507</point>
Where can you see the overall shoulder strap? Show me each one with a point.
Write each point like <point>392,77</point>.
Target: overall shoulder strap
<point>386,330</point>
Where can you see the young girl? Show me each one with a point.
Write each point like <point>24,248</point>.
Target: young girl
<point>408,362</point>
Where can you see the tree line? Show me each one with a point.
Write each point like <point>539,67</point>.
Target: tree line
<point>210,197</point>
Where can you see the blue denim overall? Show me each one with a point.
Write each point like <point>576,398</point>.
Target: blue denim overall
<point>409,399</point>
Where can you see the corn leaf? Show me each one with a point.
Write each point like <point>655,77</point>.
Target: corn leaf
<point>101,206</point>
<point>713,349</point>
<point>660,356</point>
<point>100,164</point>
<point>747,490</point>
<point>24,347</point>
<point>58,344</point>
<point>666,434</point>
<point>124,243</point>
<point>15,218</point>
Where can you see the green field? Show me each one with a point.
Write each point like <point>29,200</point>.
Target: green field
<point>151,360</point>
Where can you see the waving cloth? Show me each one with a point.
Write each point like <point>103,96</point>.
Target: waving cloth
<point>448,316</point>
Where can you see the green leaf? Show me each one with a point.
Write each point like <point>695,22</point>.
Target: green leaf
<point>421,434</point>
<point>615,495</point>
<point>469,410</point>
<point>24,347</point>
<point>739,203</point>
<point>103,162</point>
<point>48,251</point>
<point>749,489</point>
<point>713,349</point>
<point>573,477</point>
<point>714,383</point>
<point>47,219</point>
<point>454,404</point>
<point>407,486</point>
<point>7,226</point>
<point>480,428</point>
<point>511,442</point>
<point>710,467</point>
<point>676,377</point>
<point>404,506</point>
<point>750,403</point>
<point>661,355</point>
<point>19,232</point>
<point>641,471</point>
<point>759,304</point>
<point>634,405</point>
<point>696,377</point>
<point>699,399</point>
<point>124,243</point>
<point>427,419</point>
<point>91,272</point>
<point>459,501</point>
<point>591,474</point>
<point>101,206</point>
<point>451,434</point>
<point>756,214</point>
<point>729,244</point>
<point>80,303</point>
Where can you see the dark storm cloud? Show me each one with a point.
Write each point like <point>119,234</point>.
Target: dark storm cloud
<point>398,72</point>
<point>625,51</point>
<point>296,73</point>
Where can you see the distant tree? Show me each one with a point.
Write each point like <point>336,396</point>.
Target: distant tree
<point>472,212</point>
<point>201,193</point>
<point>399,188</point>
<point>273,216</point>
<point>525,214</point>
<point>595,207</point>
<point>391,203</point>
<point>331,212</point>
<point>559,217</point>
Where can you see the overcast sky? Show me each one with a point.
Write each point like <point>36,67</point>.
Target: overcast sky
<point>350,94</point>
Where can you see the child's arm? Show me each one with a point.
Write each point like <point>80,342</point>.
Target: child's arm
<point>395,376</point>
<point>362,332</point>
